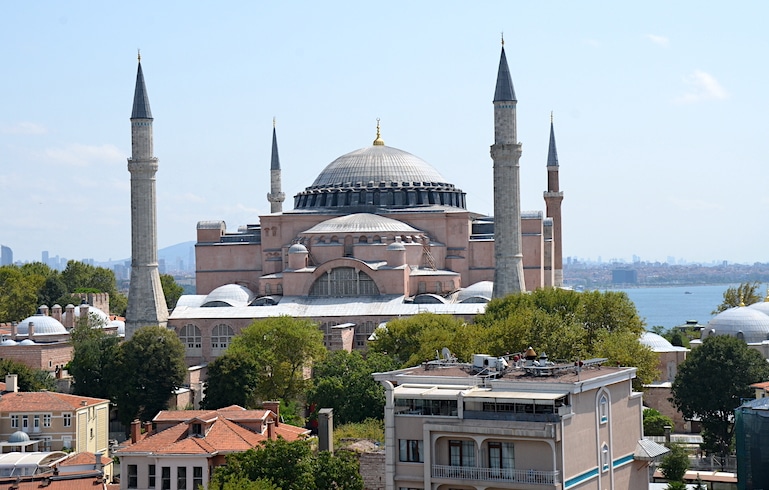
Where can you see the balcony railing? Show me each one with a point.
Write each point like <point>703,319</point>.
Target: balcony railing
<point>533,477</point>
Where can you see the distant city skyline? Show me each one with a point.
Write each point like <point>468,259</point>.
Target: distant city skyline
<point>657,112</point>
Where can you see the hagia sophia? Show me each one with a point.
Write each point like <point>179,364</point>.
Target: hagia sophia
<point>378,234</point>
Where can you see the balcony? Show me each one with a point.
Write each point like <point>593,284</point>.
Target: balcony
<point>531,477</point>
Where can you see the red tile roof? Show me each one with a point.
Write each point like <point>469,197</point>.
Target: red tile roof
<point>763,385</point>
<point>36,401</point>
<point>223,436</point>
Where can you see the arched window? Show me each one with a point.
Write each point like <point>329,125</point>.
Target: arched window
<point>221,336</point>
<point>605,457</point>
<point>344,281</point>
<point>191,339</point>
<point>603,408</point>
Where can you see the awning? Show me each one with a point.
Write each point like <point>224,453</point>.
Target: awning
<point>538,398</point>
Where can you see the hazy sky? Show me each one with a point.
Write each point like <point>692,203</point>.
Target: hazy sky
<point>660,113</point>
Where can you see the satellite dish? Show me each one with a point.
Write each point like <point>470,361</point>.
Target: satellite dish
<point>446,353</point>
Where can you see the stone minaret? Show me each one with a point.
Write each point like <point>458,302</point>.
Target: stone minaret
<point>506,153</point>
<point>146,302</point>
<point>553,199</point>
<point>276,196</point>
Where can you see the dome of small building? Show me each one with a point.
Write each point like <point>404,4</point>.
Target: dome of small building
<point>297,248</point>
<point>656,342</point>
<point>103,318</point>
<point>748,324</point>
<point>362,223</point>
<point>396,247</point>
<point>27,342</point>
<point>44,325</point>
<point>18,437</point>
<point>119,325</point>
<point>229,295</point>
<point>8,342</point>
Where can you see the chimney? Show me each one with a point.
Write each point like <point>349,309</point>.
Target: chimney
<point>31,330</point>
<point>43,310</point>
<point>274,407</point>
<point>667,435</point>
<point>13,330</point>
<point>326,430</point>
<point>147,428</point>
<point>99,465</point>
<point>56,312</point>
<point>135,431</point>
<point>12,383</point>
<point>271,430</point>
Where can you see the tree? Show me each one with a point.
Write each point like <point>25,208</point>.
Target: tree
<point>150,367</point>
<point>714,380</point>
<point>654,422</point>
<point>675,463</point>
<point>28,379</point>
<point>343,382</point>
<point>232,380</point>
<point>290,466</point>
<point>171,290</point>
<point>281,348</point>
<point>744,294</point>
<point>18,293</point>
<point>93,365</point>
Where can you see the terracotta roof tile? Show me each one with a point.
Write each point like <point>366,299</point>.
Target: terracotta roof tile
<point>35,401</point>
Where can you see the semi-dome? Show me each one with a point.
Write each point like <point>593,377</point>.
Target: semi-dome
<point>362,223</point>
<point>748,324</point>
<point>229,295</point>
<point>44,325</point>
<point>379,176</point>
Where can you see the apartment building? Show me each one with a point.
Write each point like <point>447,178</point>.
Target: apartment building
<point>516,423</point>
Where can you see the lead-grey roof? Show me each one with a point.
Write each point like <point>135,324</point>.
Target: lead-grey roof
<point>747,323</point>
<point>377,164</point>
<point>362,223</point>
<point>141,108</point>
<point>505,91</point>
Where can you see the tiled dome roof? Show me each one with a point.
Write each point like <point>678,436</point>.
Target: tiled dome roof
<point>743,322</point>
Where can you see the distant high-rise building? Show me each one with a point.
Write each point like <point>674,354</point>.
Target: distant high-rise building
<point>146,302</point>
<point>44,257</point>
<point>6,255</point>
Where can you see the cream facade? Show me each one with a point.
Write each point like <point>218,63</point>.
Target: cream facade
<point>453,426</point>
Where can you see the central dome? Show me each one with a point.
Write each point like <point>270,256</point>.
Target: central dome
<point>377,178</point>
<point>378,164</point>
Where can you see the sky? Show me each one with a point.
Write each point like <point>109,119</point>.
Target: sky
<point>660,113</point>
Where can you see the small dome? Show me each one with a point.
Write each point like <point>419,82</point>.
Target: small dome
<point>103,318</point>
<point>762,306</point>
<point>27,342</point>
<point>396,247</point>
<point>44,325</point>
<point>8,342</point>
<point>743,322</point>
<point>482,289</point>
<point>18,436</point>
<point>119,325</point>
<point>229,295</point>
<point>297,248</point>
<point>655,342</point>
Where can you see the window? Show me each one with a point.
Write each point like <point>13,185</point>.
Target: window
<point>66,441</point>
<point>603,409</point>
<point>344,281</point>
<point>197,429</point>
<point>501,455</point>
<point>220,338</point>
<point>165,478</point>
<point>15,421</point>
<point>411,450</point>
<point>420,406</point>
<point>151,476</point>
<point>46,420</point>
<point>67,419</point>
<point>46,442</point>
<point>461,453</point>
<point>25,423</point>
<point>36,423</point>
<point>181,478</point>
<point>197,477</point>
<point>133,479</point>
<point>605,457</point>
<point>191,339</point>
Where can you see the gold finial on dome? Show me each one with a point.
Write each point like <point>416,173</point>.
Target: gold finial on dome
<point>742,300</point>
<point>767,295</point>
<point>378,141</point>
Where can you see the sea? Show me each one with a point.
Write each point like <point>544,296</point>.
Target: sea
<point>675,305</point>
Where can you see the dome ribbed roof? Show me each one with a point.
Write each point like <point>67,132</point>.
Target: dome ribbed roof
<point>657,343</point>
<point>362,223</point>
<point>747,323</point>
<point>18,436</point>
<point>229,295</point>
<point>377,164</point>
<point>43,325</point>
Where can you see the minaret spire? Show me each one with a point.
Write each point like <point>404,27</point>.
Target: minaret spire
<point>506,154</point>
<point>146,302</point>
<point>276,195</point>
<point>553,198</point>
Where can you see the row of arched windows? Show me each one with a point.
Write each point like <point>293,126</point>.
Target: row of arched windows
<point>192,339</point>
